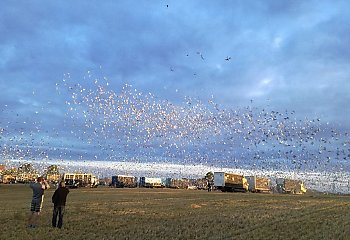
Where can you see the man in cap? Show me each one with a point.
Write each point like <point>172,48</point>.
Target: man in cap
<point>38,188</point>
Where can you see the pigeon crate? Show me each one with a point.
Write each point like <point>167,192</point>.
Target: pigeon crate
<point>177,183</point>
<point>230,182</point>
<point>150,182</point>
<point>294,186</point>
<point>53,178</point>
<point>121,181</point>
<point>258,184</point>
<point>290,186</point>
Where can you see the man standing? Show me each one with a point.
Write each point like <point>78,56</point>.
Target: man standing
<point>37,200</point>
<point>59,200</point>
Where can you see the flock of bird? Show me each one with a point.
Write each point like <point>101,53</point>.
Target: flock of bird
<point>136,126</point>
<point>140,125</point>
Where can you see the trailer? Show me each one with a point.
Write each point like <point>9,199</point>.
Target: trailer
<point>230,182</point>
<point>149,182</point>
<point>53,178</point>
<point>8,178</point>
<point>121,181</point>
<point>182,183</point>
<point>290,186</point>
<point>258,184</point>
<point>26,177</point>
<point>71,183</point>
<point>74,180</point>
<point>199,183</point>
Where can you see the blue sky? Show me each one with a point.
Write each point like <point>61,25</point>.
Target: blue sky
<point>282,55</point>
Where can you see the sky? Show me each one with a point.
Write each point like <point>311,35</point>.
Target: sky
<point>289,57</point>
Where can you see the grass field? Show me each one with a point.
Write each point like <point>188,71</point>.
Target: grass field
<point>109,213</point>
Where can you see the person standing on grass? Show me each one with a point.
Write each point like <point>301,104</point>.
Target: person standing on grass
<point>209,186</point>
<point>59,200</point>
<point>37,200</point>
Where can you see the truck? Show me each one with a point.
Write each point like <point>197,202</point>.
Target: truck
<point>258,184</point>
<point>26,177</point>
<point>290,186</point>
<point>53,178</point>
<point>176,183</point>
<point>9,178</point>
<point>121,181</point>
<point>74,180</point>
<point>199,183</point>
<point>149,182</point>
<point>230,182</point>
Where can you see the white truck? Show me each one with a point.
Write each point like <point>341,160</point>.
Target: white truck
<point>258,184</point>
<point>149,182</point>
<point>74,180</point>
<point>230,182</point>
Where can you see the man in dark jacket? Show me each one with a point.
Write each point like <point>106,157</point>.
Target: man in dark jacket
<point>59,200</point>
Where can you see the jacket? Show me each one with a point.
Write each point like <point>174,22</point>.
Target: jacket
<point>59,197</point>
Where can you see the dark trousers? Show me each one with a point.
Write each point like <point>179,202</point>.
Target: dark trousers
<point>58,212</point>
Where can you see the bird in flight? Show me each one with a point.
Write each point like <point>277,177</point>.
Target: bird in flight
<point>227,58</point>
<point>200,55</point>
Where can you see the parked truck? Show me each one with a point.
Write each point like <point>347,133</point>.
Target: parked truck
<point>258,184</point>
<point>150,182</point>
<point>182,183</point>
<point>230,182</point>
<point>121,181</point>
<point>290,186</point>
<point>26,177</point>
<point>8,178</point>
<point>74,180</point>
<point>199,183</point>
<point>53,178</point>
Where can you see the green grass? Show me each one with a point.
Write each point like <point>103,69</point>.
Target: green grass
<point>109,213</point>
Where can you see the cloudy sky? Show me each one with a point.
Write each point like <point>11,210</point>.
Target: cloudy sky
<point>285,55</point>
